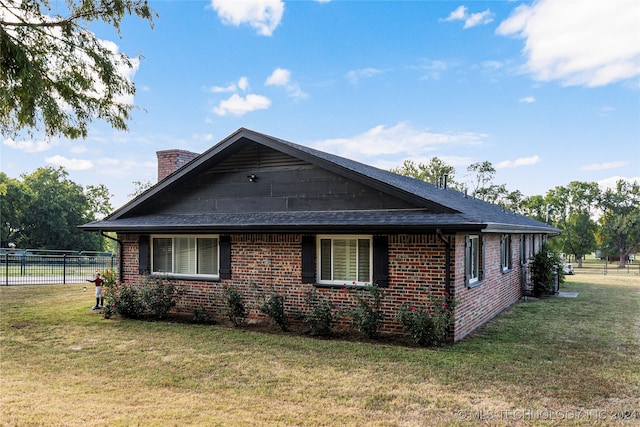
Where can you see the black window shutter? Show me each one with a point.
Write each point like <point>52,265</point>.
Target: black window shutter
<point>482,242</point>
<point>381,261</point>
<point>308,259</point>
<point>143,255</point>
<point>225,257</point>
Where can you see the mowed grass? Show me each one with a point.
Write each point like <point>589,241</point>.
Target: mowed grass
<point>555,361</point>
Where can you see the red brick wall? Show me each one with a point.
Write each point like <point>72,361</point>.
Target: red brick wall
<point>170,161</point>
<point>416,268</point>
<point>476,306</point>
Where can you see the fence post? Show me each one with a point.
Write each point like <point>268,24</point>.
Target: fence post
<point>64,269</point>
<point>6,268</point>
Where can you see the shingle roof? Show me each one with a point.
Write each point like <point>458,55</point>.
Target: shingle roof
<point>457,211</point>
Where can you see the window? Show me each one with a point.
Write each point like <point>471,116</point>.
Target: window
<point>345,259</point>
<point>185,255</point>
<point>473,260</point>
<point>532,245</point>
<point>505,252</point>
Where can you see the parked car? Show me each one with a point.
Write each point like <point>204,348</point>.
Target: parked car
<point>567,268</point>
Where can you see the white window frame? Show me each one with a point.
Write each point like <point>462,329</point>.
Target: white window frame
<point>342,282</point>
<point>474,262</point>
<point>194,255</point>
<point>506,253</point>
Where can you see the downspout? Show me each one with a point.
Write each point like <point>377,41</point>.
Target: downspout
<point>120,255</point>
<point>447,260</point>
<point>447,275</point>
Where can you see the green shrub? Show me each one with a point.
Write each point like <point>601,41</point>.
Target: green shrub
<point>153,298</point>
<point>546,268</point>
<point>234,306</point>
<point>427,326</point>
<point>320,315</point>
<point>273,306</point>
<point>367,316</point>
<point>200,315</point>
<point>158,296</point>
<point>127,301</point>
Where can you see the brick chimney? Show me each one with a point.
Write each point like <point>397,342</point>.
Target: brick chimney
<point>170,161</point>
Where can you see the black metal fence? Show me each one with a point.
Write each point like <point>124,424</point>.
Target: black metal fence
<point>39,267</point>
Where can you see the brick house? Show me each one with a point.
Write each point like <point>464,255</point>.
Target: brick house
<point>255,209</point>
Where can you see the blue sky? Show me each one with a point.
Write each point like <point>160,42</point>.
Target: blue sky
<point>547,91</point>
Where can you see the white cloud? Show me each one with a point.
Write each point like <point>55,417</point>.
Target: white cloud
<point>398,142</point>
<point>354,76</point>
<point>28,146</point>
<point>527,100</point>
<point>522,161</point>
<point>279,77</point>
<point>433,69</point>
<point>70,164</point>
<point>126,70</point>
<point>282,77</point>
<point>242,84</point>
<point>116,168</point>
<point>262,15</point>
<point>470,20</point>
<point>591,42</point>
<point>611,182</point>
<point>604,166</point>
<point>238,106</point>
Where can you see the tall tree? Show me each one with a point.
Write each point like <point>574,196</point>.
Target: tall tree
<point>620,221</point>
<point>99,204</point>
<point>481,175</point>
<point>13,199</point>
<point>535,207</point>
<point>55,208</point>
<point>432,172</point>
<point>571,208</point>
<point>56,76</point>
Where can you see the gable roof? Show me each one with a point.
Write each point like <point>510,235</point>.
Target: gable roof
<point>432,207</point>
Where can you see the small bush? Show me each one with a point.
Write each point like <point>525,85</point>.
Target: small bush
<point>320,315</point>
<point>153,298</point>
<point>367,316</point>
<point>158,296</point>
<point>127,301</point>
<point>200,315</point>
<point>427,326</point>
<point>273,306</point>
<point>234,306</point>
<point>544,269</point>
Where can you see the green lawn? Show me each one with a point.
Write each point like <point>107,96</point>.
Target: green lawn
<point>555,361</point>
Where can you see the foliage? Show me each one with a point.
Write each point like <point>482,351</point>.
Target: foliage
<point>427,326</point>
<point>57,76</point>
<point>620,222</point>
<point>140,187</point>
<point>273,306</point>
<point>570,208</point>
<point>431,172</point>
<point>234,306</point>
<point>45,201</point>
<point>320,316</point>
<point>127,301</point>
<point>153,298</point>
<point>368,316</point>
<point>200,315</point>
<point>546,268</point>
<point>14,196</point>
<point>159,296</point>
